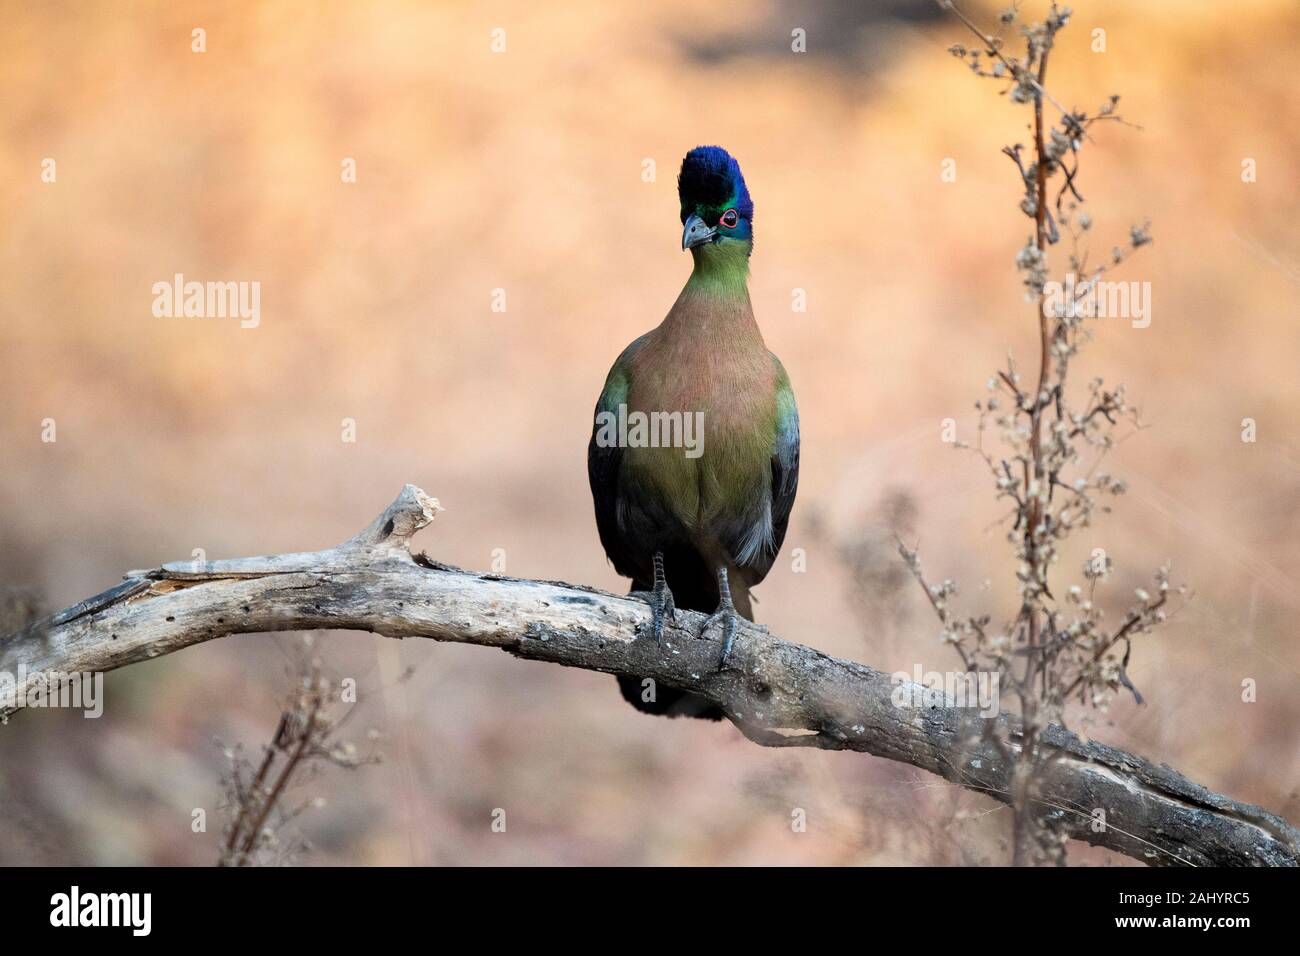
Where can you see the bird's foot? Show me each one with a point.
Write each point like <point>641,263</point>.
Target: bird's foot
<point>730,619</point>
<point>663,610</point>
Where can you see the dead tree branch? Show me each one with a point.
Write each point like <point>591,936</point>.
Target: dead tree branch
<point>779,694</point>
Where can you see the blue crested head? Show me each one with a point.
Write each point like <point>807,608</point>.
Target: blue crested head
<point>715,201</point>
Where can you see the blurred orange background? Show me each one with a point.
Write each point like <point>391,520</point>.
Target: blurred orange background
<point>522,171</point>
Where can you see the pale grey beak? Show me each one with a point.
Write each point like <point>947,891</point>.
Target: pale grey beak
<point>696,233</point>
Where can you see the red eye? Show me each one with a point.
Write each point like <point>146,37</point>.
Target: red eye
<point>729,219</point>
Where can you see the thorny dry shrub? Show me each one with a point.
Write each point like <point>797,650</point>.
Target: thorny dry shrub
<point>306,739</point>
<point>1059,647</point>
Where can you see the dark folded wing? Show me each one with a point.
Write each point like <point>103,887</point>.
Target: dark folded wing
<point>604,458</point>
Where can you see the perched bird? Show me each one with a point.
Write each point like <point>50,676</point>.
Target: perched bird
<point>697,527</point>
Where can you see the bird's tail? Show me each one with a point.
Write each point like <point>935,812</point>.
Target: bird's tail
<point>694,588</point>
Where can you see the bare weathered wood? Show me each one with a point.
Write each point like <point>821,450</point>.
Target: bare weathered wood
<point>776,692</point>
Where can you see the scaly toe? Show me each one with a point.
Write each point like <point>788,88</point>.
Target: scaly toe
<point>729,619</point>
<point>728,638</point>
<point>664,611</point>
<point>712,619</point>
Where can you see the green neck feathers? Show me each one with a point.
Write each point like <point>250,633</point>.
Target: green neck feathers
<point>721,267</point>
